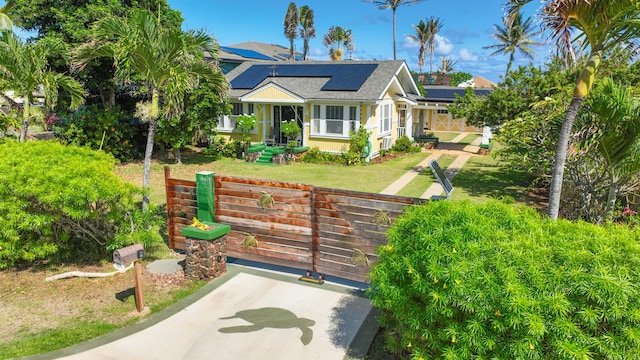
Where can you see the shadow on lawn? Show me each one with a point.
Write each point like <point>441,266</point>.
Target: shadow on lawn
<point>489,181</point>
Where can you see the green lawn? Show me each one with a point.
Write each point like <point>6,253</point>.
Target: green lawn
<point>417,186</point>
<point>444,136</point>
<point>369,178</point>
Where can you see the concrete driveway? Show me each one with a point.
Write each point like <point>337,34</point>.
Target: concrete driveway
<point>247,314</point>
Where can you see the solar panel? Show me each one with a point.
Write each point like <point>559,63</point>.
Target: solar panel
<point>246,53</point>
<point>343,77</point>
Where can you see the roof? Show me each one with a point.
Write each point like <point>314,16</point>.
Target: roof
<point>245,53</point>
<point>447,94</point>
<point>270,51</point>
<point>481,82</point>
<point>325,80</point>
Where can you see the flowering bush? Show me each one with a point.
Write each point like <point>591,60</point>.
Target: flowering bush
<point>627,217</point>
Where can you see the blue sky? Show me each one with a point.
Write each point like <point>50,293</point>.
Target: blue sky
<point>468,25</point>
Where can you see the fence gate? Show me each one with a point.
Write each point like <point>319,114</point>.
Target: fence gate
<point>329,231</point>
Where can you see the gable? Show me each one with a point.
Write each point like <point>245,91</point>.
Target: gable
<point>271,93</point>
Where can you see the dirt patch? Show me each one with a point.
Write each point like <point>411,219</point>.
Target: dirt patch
<point>30,305</point>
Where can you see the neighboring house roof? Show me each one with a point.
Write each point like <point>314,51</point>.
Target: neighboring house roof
<point>243,53</point>
<point>481,82</point>
<point>270,51</point>
<point>325,80</point>
<point>447,94</point>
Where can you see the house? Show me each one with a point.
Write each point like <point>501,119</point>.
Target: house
<point>328,100</point>
<point>437,117</point>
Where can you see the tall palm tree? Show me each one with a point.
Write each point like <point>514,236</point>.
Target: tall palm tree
<point>434,25</point>
<point>515,36</point>
<point>291,21</point>
<point>602,25</point>
<point>307,30</point>
<point>421,38</point>
<point>618,134</point>
<point>25,70</point>
<point>168,60</point>
<point>393,5</point>
<point>335,39</point>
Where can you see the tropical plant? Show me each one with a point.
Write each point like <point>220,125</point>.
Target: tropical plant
<point>245,124</point>
<point>514,36</point>
<point>68,24</point>
<point>602,25</point>
<point>65,203</point>
<point>307,29</point>
<point>496,281</point>
<point>421,37</point>
<point>335,39</point>
<point>616,135</point>
<point>291,21</point>
<point>170,62</point>
<point>447,65</point>
<point>26,71</point>
<point>5,20</point>
<point>434,25</point>
<point>393,5</point>
<point>459,77</point>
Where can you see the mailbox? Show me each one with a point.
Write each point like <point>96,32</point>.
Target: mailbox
<point>128,254</point>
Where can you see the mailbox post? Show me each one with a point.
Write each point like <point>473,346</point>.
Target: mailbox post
<point>124,257</point>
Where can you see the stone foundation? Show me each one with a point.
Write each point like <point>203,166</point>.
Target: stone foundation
<point>253,156</point>
<point>206,259</point>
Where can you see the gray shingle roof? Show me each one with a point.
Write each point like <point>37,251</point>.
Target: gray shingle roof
<point>448,94</point>
<point>309,88</point>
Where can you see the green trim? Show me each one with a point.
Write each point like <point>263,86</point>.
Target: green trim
<point>216,230</point>
<point>300,149</point>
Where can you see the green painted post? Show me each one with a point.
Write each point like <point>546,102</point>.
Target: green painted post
<point>204,193</point>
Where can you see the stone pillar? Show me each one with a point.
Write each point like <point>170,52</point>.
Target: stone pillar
<point>206,259</point>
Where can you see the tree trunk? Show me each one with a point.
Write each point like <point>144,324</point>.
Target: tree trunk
<point>557,177</point>
<point>394,34</point>
<point>148,153</point>
<point>177,154</point>
<point>580,91</point>
<point>26,114</point>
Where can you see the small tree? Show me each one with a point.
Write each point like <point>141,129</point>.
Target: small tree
<point>246,123</point>
<point>291,131</point>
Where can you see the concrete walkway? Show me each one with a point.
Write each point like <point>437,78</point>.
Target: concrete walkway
<point>452,147</point>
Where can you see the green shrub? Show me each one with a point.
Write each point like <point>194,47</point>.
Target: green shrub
<point>65,203</point>
<point>404,145</point>
<point>496,281</point>
<point>111,130</point>
<point>217,148</point>
<point>315,156</point>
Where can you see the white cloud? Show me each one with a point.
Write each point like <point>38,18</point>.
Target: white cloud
<point>444,47</point>
<point>466,55</point>
<point>410,43</point>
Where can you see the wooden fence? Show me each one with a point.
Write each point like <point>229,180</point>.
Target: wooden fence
<point>328,231</point>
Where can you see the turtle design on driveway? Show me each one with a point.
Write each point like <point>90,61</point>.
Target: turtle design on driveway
<point>270,317</point>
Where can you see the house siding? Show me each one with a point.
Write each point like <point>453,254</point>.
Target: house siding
<point>272,94</point>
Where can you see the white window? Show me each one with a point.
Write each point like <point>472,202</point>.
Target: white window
<point>227,123</point>
<point>334,121</point>
<point>385,119</point>
<point>442,111</point>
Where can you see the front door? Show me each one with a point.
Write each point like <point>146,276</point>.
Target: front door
<point>286,113</point>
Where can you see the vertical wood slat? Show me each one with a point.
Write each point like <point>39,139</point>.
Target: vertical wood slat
<point>339,222</point>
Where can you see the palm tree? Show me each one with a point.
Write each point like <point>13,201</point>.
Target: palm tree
<point>25,70</point>
<point>421,38</point>
<point>291,21</point>
<point>434,25</point>
<point>5,20</point>
<point>447,66</point>
<point>393,5</point>
<point>168,60</point>
<point>602,26</point>
<point>515,35</point>
<point>618,134</point>
<point>335,39</point>
<point>307,30</point>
